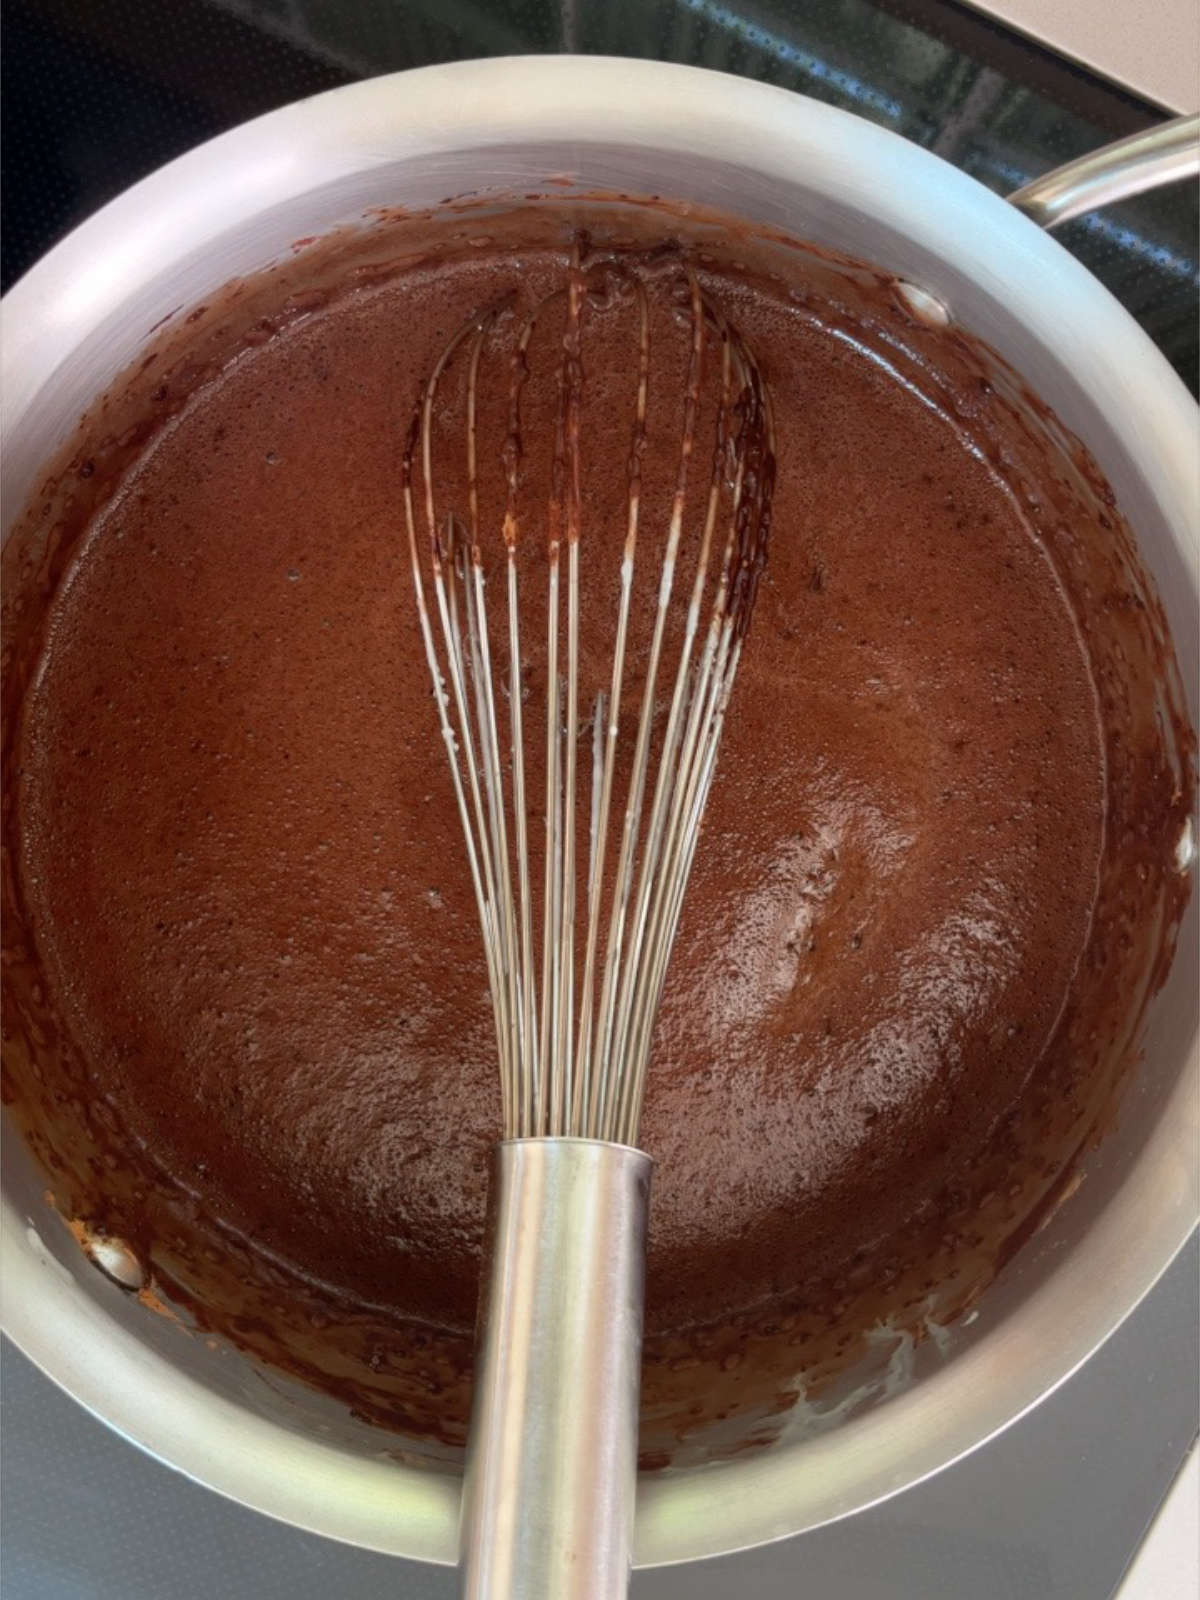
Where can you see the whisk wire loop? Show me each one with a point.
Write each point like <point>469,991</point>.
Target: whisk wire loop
<point>575,993</point>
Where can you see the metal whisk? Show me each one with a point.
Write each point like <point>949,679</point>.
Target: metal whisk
<point>548,1501</point>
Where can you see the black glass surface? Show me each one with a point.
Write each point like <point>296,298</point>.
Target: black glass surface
<point>97,93</point>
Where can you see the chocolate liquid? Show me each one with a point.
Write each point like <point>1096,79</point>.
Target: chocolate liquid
<point>929,898</point>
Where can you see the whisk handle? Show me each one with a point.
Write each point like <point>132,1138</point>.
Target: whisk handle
<point>552,1456</point>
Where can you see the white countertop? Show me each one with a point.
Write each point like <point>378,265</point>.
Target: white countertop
<point>1150,46</point>
<point>1167,1567</point>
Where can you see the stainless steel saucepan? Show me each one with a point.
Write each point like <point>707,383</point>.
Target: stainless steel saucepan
<point>773,157</point>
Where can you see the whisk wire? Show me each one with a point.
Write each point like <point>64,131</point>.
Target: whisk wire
<point>449,736</point>
<point>572,384</point>
<point>521,1113</point>
<point>615,992</point>
<point>591,1121</point>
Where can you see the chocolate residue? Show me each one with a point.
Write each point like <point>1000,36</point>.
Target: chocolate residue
<point>247,1026</point>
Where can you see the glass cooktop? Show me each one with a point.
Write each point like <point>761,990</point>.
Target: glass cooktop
<point>97,93</point>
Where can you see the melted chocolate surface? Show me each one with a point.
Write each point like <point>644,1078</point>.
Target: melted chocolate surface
<point>248,1016</point>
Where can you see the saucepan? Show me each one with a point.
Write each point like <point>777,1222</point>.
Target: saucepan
<point>510,126</point>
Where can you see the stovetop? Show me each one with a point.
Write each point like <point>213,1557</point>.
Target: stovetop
<point>97,93</point>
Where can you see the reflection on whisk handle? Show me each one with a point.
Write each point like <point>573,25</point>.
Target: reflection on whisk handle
<point>552,1457</point>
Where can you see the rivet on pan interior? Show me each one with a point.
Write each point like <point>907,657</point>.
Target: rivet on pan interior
<point>116,1260</point>
<point>924,306</point>
<point>1185,847</point>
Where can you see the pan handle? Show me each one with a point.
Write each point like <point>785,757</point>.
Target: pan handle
<point>1149,160</point>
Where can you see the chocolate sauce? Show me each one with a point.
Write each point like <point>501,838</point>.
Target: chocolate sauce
<point>249,1028</point>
